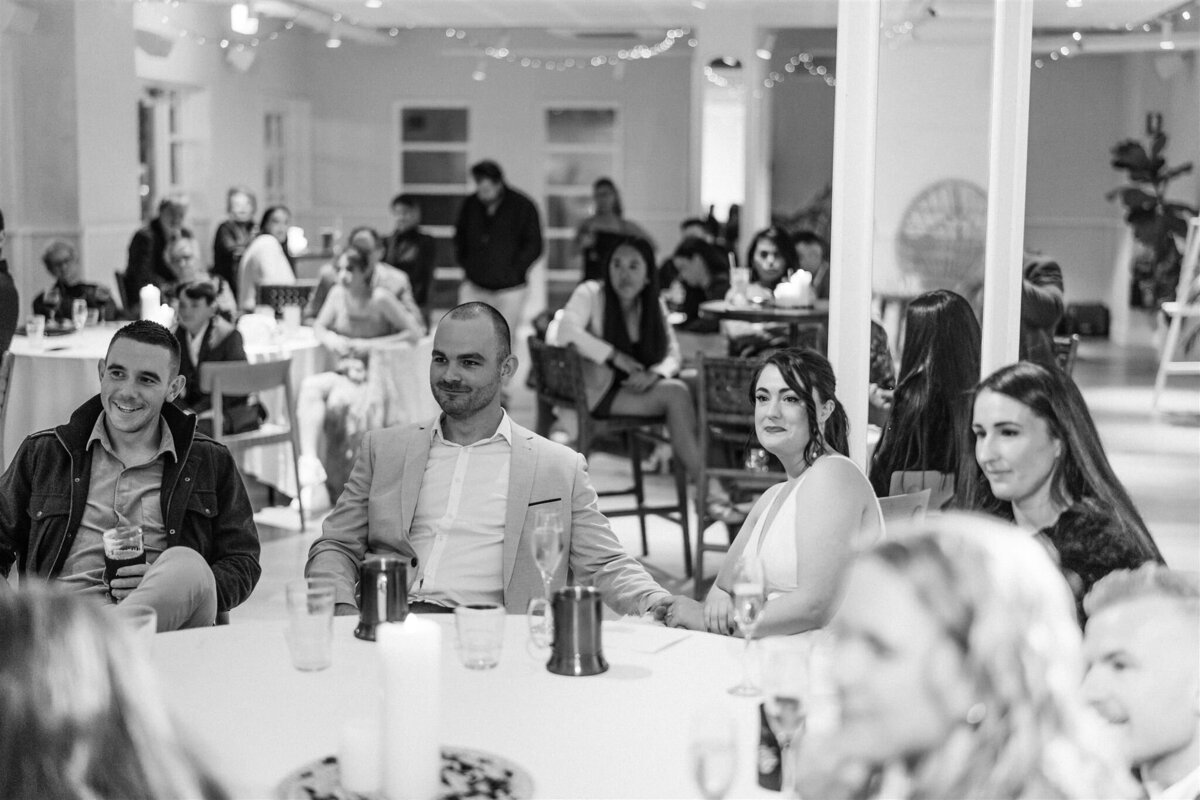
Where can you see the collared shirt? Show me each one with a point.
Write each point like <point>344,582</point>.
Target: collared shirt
<point>195,344</point>
<point>1186,788</point>
<point>458,525</point>
<point>117,495</point>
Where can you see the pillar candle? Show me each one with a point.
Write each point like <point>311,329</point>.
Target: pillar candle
<point>149,296</point>
<point>411,653</point>
<point>358,756</point>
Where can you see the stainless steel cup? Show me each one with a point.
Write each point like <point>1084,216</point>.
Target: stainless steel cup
<point>577,616</point>
<point>383,594</point>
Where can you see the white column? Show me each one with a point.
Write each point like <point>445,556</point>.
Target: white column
<point>853,224</point>
<point>1009,138</point>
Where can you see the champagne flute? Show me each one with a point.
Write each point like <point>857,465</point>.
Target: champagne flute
<point>547,546</point>
<point>749,598</point>
<point>79,313</point>
<point>785,687</point>
<point>713,752</point>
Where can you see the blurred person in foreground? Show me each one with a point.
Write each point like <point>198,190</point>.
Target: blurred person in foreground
<point>956,664</point>
<point>1142,645</point>
<point>82,715</point>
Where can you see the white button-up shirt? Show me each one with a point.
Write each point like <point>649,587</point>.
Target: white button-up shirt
<point>458,525</point>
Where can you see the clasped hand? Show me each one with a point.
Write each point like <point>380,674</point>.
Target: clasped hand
<point>126,580</point>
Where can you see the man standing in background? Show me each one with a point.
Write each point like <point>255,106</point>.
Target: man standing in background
<point>496,241</point>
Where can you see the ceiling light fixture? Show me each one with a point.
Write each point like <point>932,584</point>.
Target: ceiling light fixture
<point>241,21</point>
<point>333,42</point>
<point>480,73</point>
<point>1074,3</point>
<point>1168,36</point>
<point>374,3</point>
<point>766,48</point>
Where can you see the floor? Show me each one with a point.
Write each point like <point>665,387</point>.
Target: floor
<point>1157,457</point>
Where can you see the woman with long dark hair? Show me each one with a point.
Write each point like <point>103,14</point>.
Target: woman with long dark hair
<point>938,369</point>
<point>267,259</point>
<point>771,257</point>
<point>704,273</point>
<point>1039,462</point>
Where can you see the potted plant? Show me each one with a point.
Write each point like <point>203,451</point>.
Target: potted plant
<point>1154,220</point>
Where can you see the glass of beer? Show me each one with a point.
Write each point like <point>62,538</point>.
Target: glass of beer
<point>122,548</point>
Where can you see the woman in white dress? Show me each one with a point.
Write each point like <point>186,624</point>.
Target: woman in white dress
<point>805,530</point>
<point>267,259</point>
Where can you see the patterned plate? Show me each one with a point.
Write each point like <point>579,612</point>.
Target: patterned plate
<point>466,775</point>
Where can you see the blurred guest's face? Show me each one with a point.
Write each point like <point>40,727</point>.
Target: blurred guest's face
<point>366,243</point>
<point>194,315</point>
<point>488,190</point>
<point>241,208</point>
<point>893,667</point>
<point>627,272</point>
<point>1143,678</point>
<point>466,372</point>
<point>768,263</point>
<point>407,217</point>
<point>61,266</point>
<point>182,256</point>
<point>350,277</point>
<point>277,224</point>
<point>691,270</point>
<point>605,199</point>
<point>809,254</point>
<point>172,217</point>
<point>1014,448</point>
<point>780,417</point>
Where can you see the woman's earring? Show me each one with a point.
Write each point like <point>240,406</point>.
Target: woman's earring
<point>976,714</point>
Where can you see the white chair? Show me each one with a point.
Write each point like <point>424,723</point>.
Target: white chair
<point>901,508</point>
<point>939,484</point>
<point>1185,307</point>
<point>222,378</point>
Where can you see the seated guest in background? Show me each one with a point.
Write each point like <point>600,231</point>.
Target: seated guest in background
<point>1041,307</point>
<point>630,355</point>
<point>184,255</point>
<point>130,457</point>
<point>597,235</point>
<point>704,273</point>
<point>82,712</point>
<point>205,337</point>
<point>354,320</point>
<point>812,255</point>
<point>234,234</point>
<point>267,259</point>
<point>956,661</point>
<point>772,260</point>
<point>1039,462</point>
<point>147,264</point>
<point>383,276</point>
<point>458,494</point>
<point>411,251</point>
<point>668,275</point>
<point>803,537</point>
<point>938,370</point>
<point>1142,645</point>
<point>10,300</point>
<point>55,303</point>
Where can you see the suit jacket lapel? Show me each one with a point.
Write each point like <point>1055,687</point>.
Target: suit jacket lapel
<point>416,454</point>
<point>520,488</point>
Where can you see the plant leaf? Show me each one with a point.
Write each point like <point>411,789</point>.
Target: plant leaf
<point>1175,172</point>
<point>1133,198</point>
<point>1180,209</point>
<point>1129,154</point>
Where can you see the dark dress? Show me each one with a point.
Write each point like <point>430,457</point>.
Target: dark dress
<point>10,307</point>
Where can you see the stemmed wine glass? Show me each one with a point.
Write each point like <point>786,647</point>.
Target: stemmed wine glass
<point>785,685</point>
<point>713,752</point>
<point>547,545</point>
<point>749,597</point>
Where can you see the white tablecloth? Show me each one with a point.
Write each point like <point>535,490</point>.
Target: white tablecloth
<point>622,734</point>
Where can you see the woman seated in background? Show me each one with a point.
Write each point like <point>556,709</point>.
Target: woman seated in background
<point>183,255</point>
<point>1039,462</point>
<point>938,370</point>
<point>267,259</point>
<point>772,260</point>
<point>630,355</point>
<point>235,234</point>
<point>704,274</point>
<point>55,303</point>
<point>354,320</point>
<point>956,664</point>
<point>599,234</point>
<point>81,712</point>
<point>805,530</point>
<point>205,337</point>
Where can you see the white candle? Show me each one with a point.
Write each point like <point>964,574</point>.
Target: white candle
<point>410,654</point>
<point>358,756</point>
<point>149,296</point>
<point>166,316</point>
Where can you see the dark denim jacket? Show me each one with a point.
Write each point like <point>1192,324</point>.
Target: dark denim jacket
<point>204,504</point>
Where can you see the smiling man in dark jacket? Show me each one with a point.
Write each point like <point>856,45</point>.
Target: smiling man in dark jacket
<point>130,457</point>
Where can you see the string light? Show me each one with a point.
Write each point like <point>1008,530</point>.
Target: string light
<point>640,52</point>
<point>1078,40</point>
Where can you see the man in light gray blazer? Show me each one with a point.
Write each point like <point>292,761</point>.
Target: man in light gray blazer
<point>458,496</point>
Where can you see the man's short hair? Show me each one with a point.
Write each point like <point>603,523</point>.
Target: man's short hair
<point>199,290</point>
<point>499,324</point>
<point>487,169</point>
<point>175,202</point>
<point>405,199</point>
<point>1150,580</point>
<point>234,191</point>
<point>149,332</point>
<point>56,251</point>
<point>809,237</point>
<point>364,230</point>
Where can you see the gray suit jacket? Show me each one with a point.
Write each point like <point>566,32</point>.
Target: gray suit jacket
<point>375,512</point>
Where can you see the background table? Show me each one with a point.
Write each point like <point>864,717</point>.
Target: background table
<point>623,734</point>
<point>794,318</point>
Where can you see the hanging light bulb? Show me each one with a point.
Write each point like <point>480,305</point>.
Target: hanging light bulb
<point>334,41</point>
<point>241,20</point>
<point>1168,36</point>
<point>480,73</point>
<point>764,50</point>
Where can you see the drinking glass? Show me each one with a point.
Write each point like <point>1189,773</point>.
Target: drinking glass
<point>79,313</point>
<point>785,681</point>
<point>309,631</point>
<point>547,546</point>
<point>35,330</point>
<point>749,597</point>
<point>713,752</point>
<point>123,547</point>
<point>480,628</point>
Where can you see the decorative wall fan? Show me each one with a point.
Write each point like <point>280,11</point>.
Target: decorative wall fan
<point>940,243</point>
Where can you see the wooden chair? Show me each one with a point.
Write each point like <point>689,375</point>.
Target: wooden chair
<point>123,293</point>
<point>903,508</point>
<point>1065,349</point>
<point>222,378</point>
<point>1185,307</point>
<point>6,370</point>
<point>727,424</point>
<point>557,374</point>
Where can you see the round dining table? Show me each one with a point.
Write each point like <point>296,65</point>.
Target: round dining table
<point>796,318</point>
<point>622,734</point>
